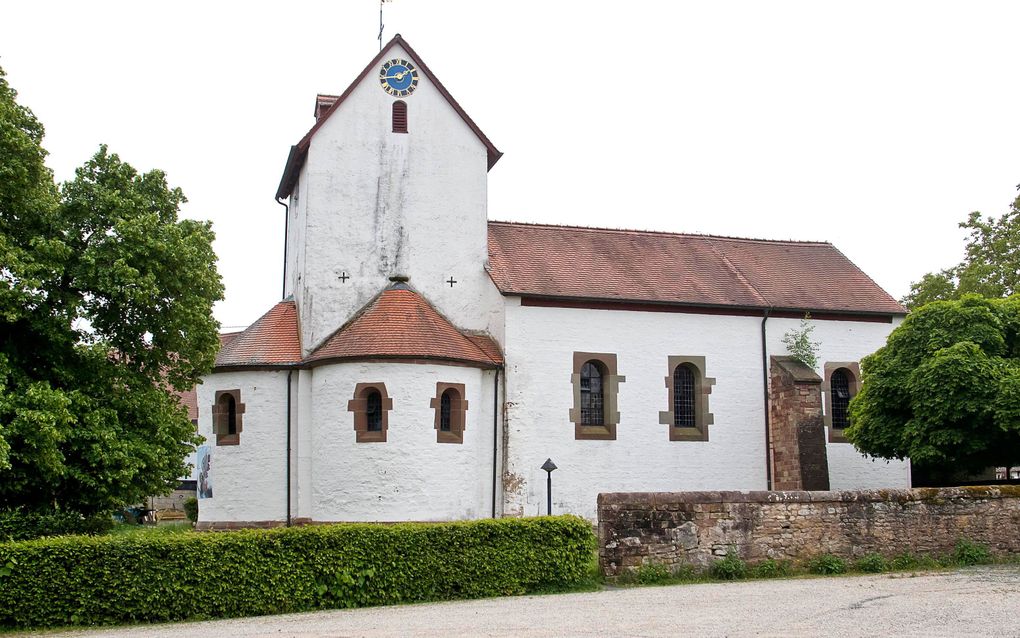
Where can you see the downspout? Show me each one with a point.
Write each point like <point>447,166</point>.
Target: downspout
<point>286,232</point>
<point>290,374</point>
<point>495,435</point>
<point>765,386</point>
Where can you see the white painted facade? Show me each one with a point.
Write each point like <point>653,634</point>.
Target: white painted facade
<point>370,204</point>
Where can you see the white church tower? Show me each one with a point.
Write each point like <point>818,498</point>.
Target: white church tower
<point>389,182</point>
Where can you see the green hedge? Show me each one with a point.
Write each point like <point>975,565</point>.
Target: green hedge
<point>20,525</point>
<point>85,580</point>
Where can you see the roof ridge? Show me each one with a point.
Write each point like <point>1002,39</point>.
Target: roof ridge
<point>636,231</point>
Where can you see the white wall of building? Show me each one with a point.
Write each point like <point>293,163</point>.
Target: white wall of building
<point>248,480</point>
<point>377,204</point>
<point>846,341</point>
<point>409,477</point>
<point>539,353</point>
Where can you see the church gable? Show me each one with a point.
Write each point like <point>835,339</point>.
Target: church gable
<point>328,105</point>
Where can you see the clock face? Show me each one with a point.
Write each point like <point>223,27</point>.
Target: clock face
<point>398,77</point>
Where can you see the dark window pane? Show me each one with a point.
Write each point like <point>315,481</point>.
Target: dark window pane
<point>231,414</point>
<point>683,397</point>
<point>840,388</point>
<point>444,411</point>
<point>592,411</point>
<point>373,411</point>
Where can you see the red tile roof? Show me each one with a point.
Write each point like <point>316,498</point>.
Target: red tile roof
<point>272,340</point>
<point>400,324</point>
<point>699,270</point>
<point>299,151</point>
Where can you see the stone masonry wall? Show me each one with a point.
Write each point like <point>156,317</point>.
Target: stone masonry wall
<point>796,432</point>
<point>697,528</point>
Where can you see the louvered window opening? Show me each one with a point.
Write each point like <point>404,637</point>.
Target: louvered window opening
<point>592,411</point>
<point>399,117</point>
<point>840,387</point>
<point>683,397</point>
<point>373,411</point>
<point>445,404</point>
<point>231,414</point>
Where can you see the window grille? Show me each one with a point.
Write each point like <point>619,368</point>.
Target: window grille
<point>839,385</point>
<point>444,411</point>
<point>592,411</point>
<point>399,117</point>
<point>683,397</point>
<point>373,411</point>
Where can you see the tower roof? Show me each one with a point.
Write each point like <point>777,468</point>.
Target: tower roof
<point>299,152</point>
<point>270,341</point>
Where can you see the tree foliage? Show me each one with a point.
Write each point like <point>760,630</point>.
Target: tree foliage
<point>105,308</point>
<point>990,268</point>
<point>799,344</point>
<point>945,389</point>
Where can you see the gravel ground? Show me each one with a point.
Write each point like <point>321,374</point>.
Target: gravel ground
<point>981,601</point>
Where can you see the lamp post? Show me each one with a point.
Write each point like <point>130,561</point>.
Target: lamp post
<point>548,466</point>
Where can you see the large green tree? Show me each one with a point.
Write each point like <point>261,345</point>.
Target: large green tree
<point>991,266</point>
<point>105,308</point>
<point>945,389</point>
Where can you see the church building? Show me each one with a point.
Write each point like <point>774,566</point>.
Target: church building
<point>425,361</point>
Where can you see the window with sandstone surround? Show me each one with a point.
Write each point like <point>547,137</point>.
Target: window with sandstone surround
<point>451,412</point>
<point>371,407</point>
<point>228,414</point>
<point>596,383</point>
<point>842,381</point>
<point>688,390</point>
<point>399,117</point>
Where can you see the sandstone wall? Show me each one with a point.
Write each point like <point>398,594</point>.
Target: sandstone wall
<point>696,528</point>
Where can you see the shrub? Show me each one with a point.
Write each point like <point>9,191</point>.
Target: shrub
<point>827,564</point>
<point>157,578</point>
<point>872,564</point>
<point>653,574</point>
<point>729,568</point>
<point>19,524</point>
<point>904,561</point>
<point>770,568</point>
<point>191,509</point>
<point>968,552</point>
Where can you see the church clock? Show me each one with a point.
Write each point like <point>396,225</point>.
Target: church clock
<point>398,77</point>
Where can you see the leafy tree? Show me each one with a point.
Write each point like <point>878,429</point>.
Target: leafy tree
<point>991,266</point>
<point>945,389</point>
<point>799,344</point>
<point>105,308</point>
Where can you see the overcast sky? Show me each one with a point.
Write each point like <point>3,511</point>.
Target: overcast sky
<point>877,126</point>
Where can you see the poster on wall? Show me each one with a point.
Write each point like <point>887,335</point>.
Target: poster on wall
<point>204,484</point>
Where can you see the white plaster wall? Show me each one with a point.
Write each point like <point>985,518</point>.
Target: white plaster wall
<point>248,480</point>
<point>378,203</point>
<point>846,341</point>
<point>540,343</point>
<point>409,477</point>
<point>296,229</point>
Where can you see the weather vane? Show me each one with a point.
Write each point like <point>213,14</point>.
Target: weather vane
<point>381,25</point>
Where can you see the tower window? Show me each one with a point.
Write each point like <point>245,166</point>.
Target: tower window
<point>227,416</point>
<point>399,117</point>
<point>373,411</point>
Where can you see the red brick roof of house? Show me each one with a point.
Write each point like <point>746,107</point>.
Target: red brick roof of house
<point>400,324</point>
<point>668,268</point>
<point>272,340</point>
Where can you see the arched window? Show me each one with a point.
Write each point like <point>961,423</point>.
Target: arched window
<point>373,411</point>
<point>371,408</point>
<point>683,397</point>
<point>451,412</point>
<point>444,411</point>
<point>399,117</point>
<point>839,385</point>
<point>688,390</point>
<point>228,415</point>
<point>592,397</point>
